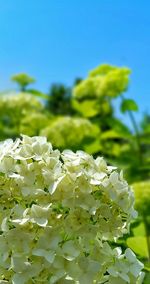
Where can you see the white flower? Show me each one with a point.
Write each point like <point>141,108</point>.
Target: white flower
<point>58,213</point>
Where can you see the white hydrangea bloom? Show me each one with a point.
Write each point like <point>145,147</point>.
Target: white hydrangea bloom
<point>58,213</point>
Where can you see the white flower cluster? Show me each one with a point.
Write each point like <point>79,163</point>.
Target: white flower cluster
<point>58,212</point>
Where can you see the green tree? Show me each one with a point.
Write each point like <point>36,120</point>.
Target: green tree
<point>59,102</point>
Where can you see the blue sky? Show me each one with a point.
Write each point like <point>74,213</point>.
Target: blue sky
<point>58,40</point>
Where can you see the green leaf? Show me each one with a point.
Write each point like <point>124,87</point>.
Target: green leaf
<point>119,127</point>
<point>138,245</point>
<point>37,94</point>
<point>147,266</point>
<point>110,134</point>
<point>87,108</point>
<point>94,147</point>
<point>139,230</point>
<point>147,278</point>
<point>128,104</point>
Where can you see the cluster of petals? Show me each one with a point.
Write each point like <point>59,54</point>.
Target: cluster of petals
<point>59,213</point>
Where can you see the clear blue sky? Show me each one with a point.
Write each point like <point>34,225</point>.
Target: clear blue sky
<point>58,40</point>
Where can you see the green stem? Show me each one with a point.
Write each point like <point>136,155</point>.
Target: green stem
<point>147,230</point>
<point>136,130</point>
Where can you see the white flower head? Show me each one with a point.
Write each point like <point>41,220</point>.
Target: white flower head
<point>58,213</point>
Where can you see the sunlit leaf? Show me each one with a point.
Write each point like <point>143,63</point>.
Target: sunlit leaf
<point>138,245</point>
<point>139,230</point>
<point>37,94</point>
<point>94,147</point>
<point>110,134</point>
<point>87,108</point>
<point>128,104</point>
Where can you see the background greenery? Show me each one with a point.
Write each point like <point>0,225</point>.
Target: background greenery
<point>83,117</point>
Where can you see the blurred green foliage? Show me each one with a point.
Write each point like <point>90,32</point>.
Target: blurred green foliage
<point>83,117</point>
<point>68,132</point>
<point>22,80</point>
<point>15,110</point>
